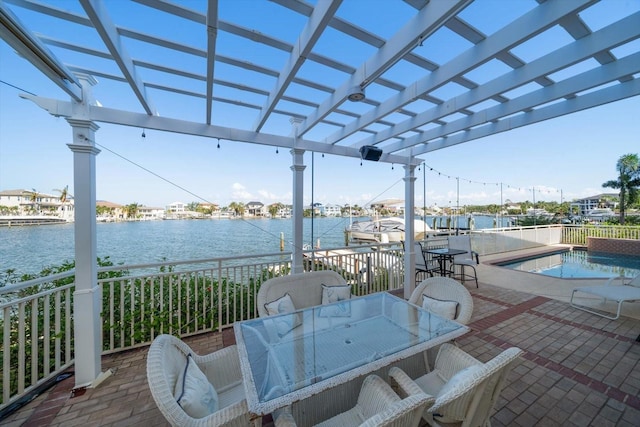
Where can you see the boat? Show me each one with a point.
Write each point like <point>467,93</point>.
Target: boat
<point>599,214</point>
<point>384,230</point>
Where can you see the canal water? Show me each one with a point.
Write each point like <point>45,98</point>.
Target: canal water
<point>30,249</point>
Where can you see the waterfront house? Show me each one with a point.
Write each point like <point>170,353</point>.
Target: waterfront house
<point>256,209</point>
<point>330,210</point>
<point>588,204</point>
<point>31,202</point>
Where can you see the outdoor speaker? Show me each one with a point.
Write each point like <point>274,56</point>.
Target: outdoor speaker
<point>369,152</point>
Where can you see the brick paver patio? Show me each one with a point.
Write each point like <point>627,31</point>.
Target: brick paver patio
<point>578,369</point>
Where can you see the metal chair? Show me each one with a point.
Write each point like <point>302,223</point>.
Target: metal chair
<point>423,265</point>
<point>467,260</point>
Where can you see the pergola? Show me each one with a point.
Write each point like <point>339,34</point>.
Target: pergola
<point>399,78</point>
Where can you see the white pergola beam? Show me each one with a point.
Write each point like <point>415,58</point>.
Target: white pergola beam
<point>520,30</point>
<point>614,35</point>
<point>108,32</point>
<point>570,87</point>
<point>425,22</point>
<point>64,109</point>
<point>310,34</point>
<point>212,34</point>
<point>593,99</point>
<point>29,46</point>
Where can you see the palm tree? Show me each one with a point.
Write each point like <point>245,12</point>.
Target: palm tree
<point>63,193</point>
<point>132,210</point>
<point>628,181</point>
<point>275,208</point>
<point>33,198</point>
<point>237,207</point>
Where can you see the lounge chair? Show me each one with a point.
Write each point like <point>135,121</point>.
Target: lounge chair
<point>618,289</point>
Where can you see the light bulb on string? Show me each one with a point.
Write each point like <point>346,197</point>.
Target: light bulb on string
<point>277,150</point>
<point>218,143</point>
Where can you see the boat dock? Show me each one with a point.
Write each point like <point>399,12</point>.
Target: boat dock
<point>21,221</point>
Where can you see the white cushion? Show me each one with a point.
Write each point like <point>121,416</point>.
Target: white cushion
<point>284,304</point>
<point>459,378</point>
<point>194,393</point>
<point>334,294</point>
<point>443,308</point>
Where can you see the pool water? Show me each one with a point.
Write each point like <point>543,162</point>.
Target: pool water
<point>579,264</point>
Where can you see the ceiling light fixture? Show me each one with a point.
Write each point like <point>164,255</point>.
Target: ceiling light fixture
<point>356,94</point>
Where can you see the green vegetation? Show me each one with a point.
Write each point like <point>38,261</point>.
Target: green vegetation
<point>628,182</point>
<point>134,311</point>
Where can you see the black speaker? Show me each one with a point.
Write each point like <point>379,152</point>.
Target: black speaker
<point>369,152</point>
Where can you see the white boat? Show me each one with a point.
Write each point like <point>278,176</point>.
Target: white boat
<point>599,214</point>
<point>537,212</point>
<point>384,230</point>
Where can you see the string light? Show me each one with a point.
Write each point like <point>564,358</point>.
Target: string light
<point>218,142</point>
<point>547,191</point>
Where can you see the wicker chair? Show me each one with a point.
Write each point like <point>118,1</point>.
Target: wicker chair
<point>377,405</point>
<point>465,389</point>
<point>167,359</point>
<point>446,288</point>
<point>305,289</point>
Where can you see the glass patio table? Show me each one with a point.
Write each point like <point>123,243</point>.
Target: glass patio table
<point>290,357</point>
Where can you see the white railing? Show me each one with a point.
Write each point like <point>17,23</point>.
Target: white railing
<point>36,334</point>
<point>578,235</point>
<point>142,301</point>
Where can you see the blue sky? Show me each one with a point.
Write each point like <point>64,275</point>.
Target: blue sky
<point>570,156</point>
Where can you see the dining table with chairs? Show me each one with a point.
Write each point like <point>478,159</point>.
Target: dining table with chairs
<point>289,357</point>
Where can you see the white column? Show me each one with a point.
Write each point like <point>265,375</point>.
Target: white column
<point>87,298</point>
<point>297,167</point>
<point>409,233</point>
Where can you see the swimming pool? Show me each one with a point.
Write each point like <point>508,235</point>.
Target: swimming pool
<point>578,264</point>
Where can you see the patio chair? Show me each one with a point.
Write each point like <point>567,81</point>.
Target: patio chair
<point>465,389</point>
<point>304,289</point>
<point>376,405</point>
<point>445,289</point>
<point>423,265</point>
<point>209,387</point>
<point>467,260</point>
<point>628,290</point>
